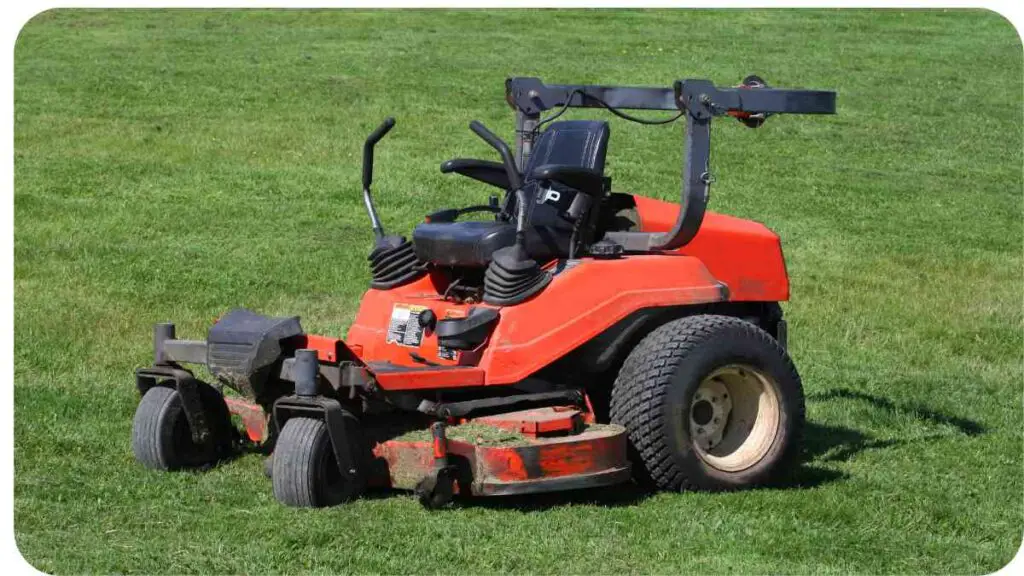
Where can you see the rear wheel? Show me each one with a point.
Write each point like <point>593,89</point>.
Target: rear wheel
<point>162,438</point>
<point>709,402</point>
<point>305,470</point>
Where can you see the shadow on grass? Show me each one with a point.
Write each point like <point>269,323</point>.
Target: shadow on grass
<point>921,412</point>
<point>827,443</point>
<point>628,494</point>
<point>823,443</point>
<point>242,446</point>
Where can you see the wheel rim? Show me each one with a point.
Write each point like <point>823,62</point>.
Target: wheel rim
<point>734,417</point>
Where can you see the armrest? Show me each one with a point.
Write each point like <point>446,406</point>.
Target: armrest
<point>492,173</point>
<point>586,180</point>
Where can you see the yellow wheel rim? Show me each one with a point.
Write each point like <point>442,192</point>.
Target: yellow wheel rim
<point>734,417</point>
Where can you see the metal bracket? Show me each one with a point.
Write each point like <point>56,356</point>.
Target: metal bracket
<point>344,375</point>
<point>188,390</point>
<point>703,100</point>
<point>342,427</point>
<point>531,96</point>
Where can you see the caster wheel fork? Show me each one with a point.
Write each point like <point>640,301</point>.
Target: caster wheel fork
<point>437,488</point>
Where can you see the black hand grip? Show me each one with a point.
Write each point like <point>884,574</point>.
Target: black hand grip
<point>381,130</point>
<point>488,136</point>
<point>514,180</point>
<point>371,141</point>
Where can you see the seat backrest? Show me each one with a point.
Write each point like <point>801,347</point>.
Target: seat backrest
<point>569,142</point>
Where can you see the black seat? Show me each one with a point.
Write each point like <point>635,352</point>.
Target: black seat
<point>579,143</point>
<point>471,243</point>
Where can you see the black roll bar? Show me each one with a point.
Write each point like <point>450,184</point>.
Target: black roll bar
<point>699,99</point>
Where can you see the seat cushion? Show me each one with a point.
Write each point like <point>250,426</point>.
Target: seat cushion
<point>471,243</point>
<point>461,243</point>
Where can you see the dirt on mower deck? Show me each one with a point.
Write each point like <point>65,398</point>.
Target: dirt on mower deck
<point>484,435</point>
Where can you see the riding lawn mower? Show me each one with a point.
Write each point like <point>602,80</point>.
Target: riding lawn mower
<point>572,337</point>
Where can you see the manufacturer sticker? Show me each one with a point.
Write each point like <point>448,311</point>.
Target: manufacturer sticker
<point>404,328</point>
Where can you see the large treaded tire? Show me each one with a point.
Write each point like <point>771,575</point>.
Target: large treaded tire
<point>162,439</point>
<point>305,470</point>
<point>656,385</point>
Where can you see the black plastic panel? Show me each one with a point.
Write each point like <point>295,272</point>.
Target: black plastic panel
<point>243,345</point>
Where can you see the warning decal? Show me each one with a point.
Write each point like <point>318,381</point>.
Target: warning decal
<point>404,328</point>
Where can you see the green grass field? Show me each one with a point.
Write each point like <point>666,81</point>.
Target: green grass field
<point>170,165</point>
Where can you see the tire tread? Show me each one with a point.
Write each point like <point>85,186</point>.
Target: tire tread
<point>146,427</point>
<point>643,381</point>
<point>295,461</point>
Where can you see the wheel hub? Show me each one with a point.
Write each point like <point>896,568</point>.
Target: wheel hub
<point>709,413</point>
<point>734,417</point>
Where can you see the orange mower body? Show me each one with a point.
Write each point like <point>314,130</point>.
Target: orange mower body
<point>575,337</point>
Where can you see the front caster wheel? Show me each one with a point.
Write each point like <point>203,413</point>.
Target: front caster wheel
<point>162,438</point>
<point>709,402</point>
<point>305,470</point>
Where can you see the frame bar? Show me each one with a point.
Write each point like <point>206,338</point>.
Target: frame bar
<point>700,99</point>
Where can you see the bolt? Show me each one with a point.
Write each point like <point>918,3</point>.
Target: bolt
<point>716,420</point>
<point>700,430</point>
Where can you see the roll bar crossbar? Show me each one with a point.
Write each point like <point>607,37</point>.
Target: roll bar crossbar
<point>700,100</point>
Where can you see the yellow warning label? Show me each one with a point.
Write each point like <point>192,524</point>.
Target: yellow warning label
<point>404,328</point>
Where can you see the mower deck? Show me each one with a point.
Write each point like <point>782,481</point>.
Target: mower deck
<point>512,464</point>
<point>526,451</point>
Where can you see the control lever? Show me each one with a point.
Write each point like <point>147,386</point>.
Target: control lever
<point>514,179</point>
<point>371,141</point>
